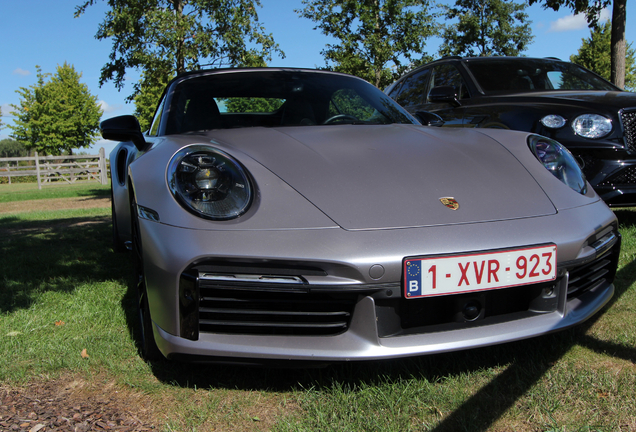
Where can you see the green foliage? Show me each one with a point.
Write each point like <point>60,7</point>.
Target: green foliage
<point>150,91</point>
<point>162,38</point>
<point>56,116</point>
<point>348,102</point>
<point>11,148</point>
<point>252,105</point>
<point>486,28</point>
<point>591,8</point>
<point>595,54</point>
<point>377,39</point>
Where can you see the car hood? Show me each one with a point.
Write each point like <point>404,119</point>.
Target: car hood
<point>616,99</point>
<point>393,176</point>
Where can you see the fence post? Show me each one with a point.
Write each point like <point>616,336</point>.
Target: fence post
<point>37,169</point>
<point>103,175</point>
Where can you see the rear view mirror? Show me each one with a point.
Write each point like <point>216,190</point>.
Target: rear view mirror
<point>124,128</point>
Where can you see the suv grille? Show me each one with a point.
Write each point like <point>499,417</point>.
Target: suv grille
<point>628,119</point>
<point>626,176</point>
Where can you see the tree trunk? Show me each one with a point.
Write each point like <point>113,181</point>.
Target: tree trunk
<point>619,18</point>
<point>180,55</point>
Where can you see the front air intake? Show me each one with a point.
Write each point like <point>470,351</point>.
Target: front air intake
<point>242,308</point>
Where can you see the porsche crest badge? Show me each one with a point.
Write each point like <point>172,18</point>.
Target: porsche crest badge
<point>450,202</point>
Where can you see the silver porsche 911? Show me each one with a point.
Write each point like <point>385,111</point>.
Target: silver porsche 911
<point>288,214</point>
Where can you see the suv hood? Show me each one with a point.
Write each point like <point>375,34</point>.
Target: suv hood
<point>590,98</point>
<point>393,176</point>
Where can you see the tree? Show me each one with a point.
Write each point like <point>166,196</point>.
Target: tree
<point>252,105</point>
<point>26,123</point>
<point>377,38</point>
<point>150,91</point>
<point>595,54</point>
<point>486,28</point>
<point>11,148</point>
<point>592,10</point>
<point>56,116</point>
<point>162,38</point>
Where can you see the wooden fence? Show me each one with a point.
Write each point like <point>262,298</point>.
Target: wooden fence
<point>49,169</point>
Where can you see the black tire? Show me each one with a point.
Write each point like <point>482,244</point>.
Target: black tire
<point>118,245</point>
<point>147,345</point>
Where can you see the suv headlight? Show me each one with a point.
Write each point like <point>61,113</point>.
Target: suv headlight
<point>209,183</point>
<point>592,126</point>
<point>559,161</point>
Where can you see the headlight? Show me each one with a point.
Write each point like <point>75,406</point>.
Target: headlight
<point>209,183</point>
<point>553,121</point>
<point>592,126</point>
<point>559,161</point>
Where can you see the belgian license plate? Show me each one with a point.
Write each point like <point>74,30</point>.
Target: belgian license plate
<point>455,274</point>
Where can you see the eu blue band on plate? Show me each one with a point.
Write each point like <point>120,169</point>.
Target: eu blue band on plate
<point>413,278</point>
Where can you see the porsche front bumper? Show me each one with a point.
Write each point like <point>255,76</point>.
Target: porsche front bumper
<point>365,268</point>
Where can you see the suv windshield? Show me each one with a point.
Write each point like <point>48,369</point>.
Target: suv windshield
<point>237,99</point>
<point>528,75</point>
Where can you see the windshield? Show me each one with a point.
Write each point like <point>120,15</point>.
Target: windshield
<point>247,98</point>
<point>528,75</point>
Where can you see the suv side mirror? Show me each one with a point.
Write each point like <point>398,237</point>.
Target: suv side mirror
<point>429,118</point>
<point>444,94</point>
<point>124,128</point>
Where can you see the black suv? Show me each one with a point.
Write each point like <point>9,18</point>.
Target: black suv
<point>593,118</point>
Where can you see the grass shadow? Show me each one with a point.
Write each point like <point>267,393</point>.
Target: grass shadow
<point>626,217</point>
<point>53,255</point>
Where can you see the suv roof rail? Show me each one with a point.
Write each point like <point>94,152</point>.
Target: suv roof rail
<point>553,58</point>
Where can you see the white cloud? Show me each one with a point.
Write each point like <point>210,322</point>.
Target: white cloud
<point>22,72</point>
<point>109,108</point>
<point>7,110</point>
<point>606,15</point>
<point>576,22</point>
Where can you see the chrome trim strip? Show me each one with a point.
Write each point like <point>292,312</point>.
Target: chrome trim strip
<point>252,278</point>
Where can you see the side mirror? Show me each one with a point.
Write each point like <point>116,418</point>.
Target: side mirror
<point>429,118</point>
<point>444,94</point>
<point>124,128</point>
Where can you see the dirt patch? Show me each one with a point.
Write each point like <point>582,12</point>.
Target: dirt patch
<point>69,404</point>
<point>55,204</point>
<point>73,404</point>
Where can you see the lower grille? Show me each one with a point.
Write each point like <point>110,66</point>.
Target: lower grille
<point>628,119</point>
<point>247,310</point>
<point>599,272</point>
<point>445,312</point>
<point>626,176</point>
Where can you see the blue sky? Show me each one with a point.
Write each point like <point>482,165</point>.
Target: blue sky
<point>44,33</point>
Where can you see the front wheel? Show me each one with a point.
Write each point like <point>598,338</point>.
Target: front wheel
<point>147,344</point>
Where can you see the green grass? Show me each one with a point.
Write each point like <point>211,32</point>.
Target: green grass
<point>30,191</point>
<point>58,267</point>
